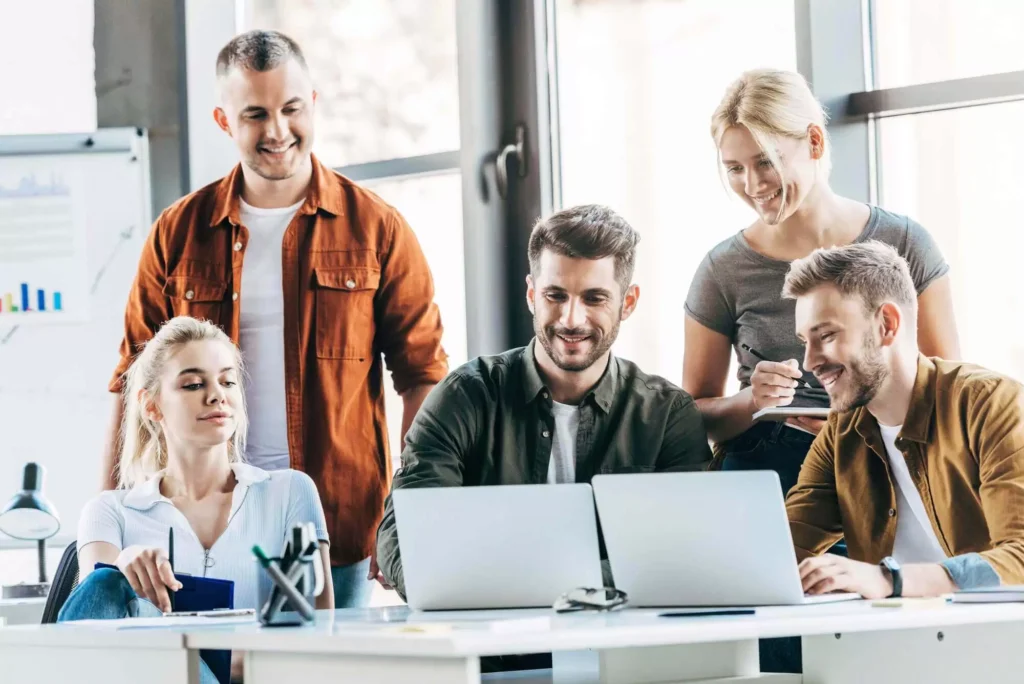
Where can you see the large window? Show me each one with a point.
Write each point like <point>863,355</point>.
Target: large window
<point>47,81</point>
<point>638,81</point>
<point>947,154</point>
<point>388,117</point>
<point>922,41</point>
<point>384,70</point>
<point>946,171</point>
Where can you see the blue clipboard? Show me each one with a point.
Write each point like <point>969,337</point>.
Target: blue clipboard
<point>203,593</point>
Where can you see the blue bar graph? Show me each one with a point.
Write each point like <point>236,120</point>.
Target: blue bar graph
<point>8,306</point>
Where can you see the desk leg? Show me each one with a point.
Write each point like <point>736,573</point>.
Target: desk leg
<point>262,667</point>
<point>989,653</point>
<point>60,665</point>
<point>732,662</point>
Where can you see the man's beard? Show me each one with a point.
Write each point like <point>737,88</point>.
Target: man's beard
<point>865,375</point>
<point>576,364</point>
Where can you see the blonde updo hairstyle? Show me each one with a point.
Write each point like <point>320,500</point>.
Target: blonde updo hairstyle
<point>772,104</point>
<point>143,444</point>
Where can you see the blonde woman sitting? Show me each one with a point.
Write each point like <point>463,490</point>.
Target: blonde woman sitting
<point>180,468</point>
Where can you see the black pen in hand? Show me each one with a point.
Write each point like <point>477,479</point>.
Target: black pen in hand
<point>170,558</point>
<point>754,352</point>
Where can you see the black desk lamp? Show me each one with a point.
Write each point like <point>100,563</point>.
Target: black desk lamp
<point>30,516</point>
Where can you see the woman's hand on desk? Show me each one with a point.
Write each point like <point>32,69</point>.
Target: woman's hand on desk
<point>149,572</point>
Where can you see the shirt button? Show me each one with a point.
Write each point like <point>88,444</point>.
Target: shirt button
<point>892,512</point>
<point>234,297</point>
<point>238,246</point>
<point>350,283</point>
<point>190,294</point>
<point>544,394</point>
<point>546,434</point>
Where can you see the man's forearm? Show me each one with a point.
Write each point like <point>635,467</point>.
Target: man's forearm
<point>926,579</point>
<point>412,399</point>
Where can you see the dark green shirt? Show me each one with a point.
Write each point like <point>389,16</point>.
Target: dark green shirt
<point>490,422</point>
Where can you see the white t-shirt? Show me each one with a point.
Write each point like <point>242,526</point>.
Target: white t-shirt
<point>261,335</point>
<point>562,466</point>
<point>264,508</point>
<point>915,539</point>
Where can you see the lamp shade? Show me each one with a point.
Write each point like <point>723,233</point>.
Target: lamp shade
<point>29,515</point>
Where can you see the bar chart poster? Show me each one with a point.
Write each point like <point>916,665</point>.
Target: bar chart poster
<point>43,259</point>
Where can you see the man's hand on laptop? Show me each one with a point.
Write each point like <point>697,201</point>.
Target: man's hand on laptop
<point>829,573</point>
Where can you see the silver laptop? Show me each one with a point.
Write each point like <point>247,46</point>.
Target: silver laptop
<point>513,546</point>
<point>700,539</point>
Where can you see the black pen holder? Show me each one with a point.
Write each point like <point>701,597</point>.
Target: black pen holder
<point>274,608</point>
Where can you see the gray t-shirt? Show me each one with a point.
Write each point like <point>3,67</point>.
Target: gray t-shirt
<point>738,292</point>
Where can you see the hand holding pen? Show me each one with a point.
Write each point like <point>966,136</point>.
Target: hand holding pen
<point>773,383</point>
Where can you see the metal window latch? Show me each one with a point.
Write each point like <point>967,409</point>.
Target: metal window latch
<point>518,151</point>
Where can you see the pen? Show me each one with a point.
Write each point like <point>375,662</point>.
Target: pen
<point>170,557</point>
<point>282,583</point>
<point>800,383</point>
<point>709,613</point>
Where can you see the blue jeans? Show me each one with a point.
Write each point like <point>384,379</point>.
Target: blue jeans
<point>774,446</point>
<point>351,588</point>
<point>769,446</point>
<point>106,595</point>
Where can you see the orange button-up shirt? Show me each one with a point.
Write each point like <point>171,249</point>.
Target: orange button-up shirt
<point>356,286</point>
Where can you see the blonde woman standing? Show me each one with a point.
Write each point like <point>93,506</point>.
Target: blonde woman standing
<point>774,151</point>
<point>180,468</point>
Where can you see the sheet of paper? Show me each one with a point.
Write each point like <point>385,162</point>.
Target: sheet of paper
<point>161,622</point>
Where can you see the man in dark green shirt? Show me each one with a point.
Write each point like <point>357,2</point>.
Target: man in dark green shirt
<point>562,409</point>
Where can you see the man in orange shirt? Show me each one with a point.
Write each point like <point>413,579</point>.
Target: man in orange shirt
<point>315,278</point>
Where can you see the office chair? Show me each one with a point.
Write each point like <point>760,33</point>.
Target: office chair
<point>64,582</point>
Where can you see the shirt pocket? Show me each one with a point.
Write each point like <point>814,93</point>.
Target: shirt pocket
<point>195,297</point>
<point>344,312</point>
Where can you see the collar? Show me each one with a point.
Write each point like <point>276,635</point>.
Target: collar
<point>325,193</point>
<point>603,393</point>
<point>917,424</point>
<point>147,494</point>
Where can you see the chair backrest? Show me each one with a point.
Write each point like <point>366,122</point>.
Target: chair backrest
<point>64,582</point>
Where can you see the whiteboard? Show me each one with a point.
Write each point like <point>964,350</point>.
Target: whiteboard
<point>74,213</point>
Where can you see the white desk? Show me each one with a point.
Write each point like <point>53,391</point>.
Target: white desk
<point>942,645</point>
<point>62,653</point>
<point>843,644</point>
<point>26,611</point>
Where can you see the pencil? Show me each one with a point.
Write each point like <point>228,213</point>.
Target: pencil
<point>754,352</point>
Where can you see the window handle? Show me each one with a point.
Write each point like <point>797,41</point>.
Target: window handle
<point>518,151</point>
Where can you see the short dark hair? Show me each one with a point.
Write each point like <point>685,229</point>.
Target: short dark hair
<point>872,270</point>
<point>587,231</point>
<point>258,51</point>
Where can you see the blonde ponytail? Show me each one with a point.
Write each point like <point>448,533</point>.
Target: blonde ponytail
<point>143,446</point>
<point>771,104</point>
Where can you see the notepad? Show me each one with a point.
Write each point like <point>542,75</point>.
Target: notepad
<point>1011,593</point>
<point>784,412</point>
